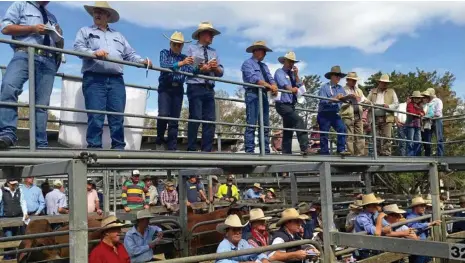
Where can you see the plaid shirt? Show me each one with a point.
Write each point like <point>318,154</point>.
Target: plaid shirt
<point>170,60</point>
<point>169,197</point>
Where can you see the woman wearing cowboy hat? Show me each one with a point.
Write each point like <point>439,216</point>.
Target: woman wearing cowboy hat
<point>171,90</point>
<point>232,230</point>
<point>413,123</point>
<point>110,249</point>
<point>103,84</point>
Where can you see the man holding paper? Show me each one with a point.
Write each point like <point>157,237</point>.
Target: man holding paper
<point>254,71</point>
<point>28,22</point>
<point>288,79</point>
<point>200,92</point>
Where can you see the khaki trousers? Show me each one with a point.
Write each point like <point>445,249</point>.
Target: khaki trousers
<point>355,144</point>
<point>384,129</point>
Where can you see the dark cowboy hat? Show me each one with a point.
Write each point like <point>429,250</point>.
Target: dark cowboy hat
<point>335,70</point>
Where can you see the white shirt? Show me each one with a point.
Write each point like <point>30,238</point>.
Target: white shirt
<point>380,99</point>
<point>402,117</point>
<point>54,200</point>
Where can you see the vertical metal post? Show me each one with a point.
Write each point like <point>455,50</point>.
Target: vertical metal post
<point>368,187</point>
<point>218,127</point>
<point>261,136</point>
<point>183,215</point>
<point>32,100</point>
<point>327,210</point>
<point>169,174</point>
<point>114,190</point>
<point>373,133</point>
<point>106,192</point>
<point>210,193</point>
<point>434,183</point>
<point>294,190</point>
<point>78,240</point>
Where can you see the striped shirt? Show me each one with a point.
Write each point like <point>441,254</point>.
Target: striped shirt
<point>168,197</point>
<point>133,195</point>
<point>170,60</point>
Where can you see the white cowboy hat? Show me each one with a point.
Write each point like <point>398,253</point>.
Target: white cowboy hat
<point>357,204</point>
<point>290,214</point>
<point>231,221</point>
<point>418,201</point>
<point>384,78</point>
<point>144,214</point>
<point>393,209</point>
<point>426,93</point>
<point>289,55</point>
<point>110,222</point>
<point>177,37</point>
<point>352,75</point>
<point>58,183</point>
<point>417,94</point>
<point>370,199</point>
<point>114,16</point>
<point>432,92</point>
<point>260,44</point>
<point>257,214</point>
<point>257,185</point>
<point>204,26</point>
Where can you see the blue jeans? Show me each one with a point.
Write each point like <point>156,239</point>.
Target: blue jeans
<point>413,133</point>
<point>438,130</point>
<point>201,107</point>
<point>426,137</point>
<point>11,232</point>
<point>16,75</point>
<point>169,105</point>
<point>105,93</point>
<point>402,134</point>
<point>252,118</point>
<point>326,120</point>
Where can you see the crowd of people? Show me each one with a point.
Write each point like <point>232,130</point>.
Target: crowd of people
<point>103,89</point>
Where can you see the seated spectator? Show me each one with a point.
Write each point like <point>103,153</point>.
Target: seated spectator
<point>228,191</point>
<point>110,249</point>
<point>355,209</point>
<point>307,224</point>
<point>135,194</point>
<point>138,240</point>
<point>153,193</point>
<point>459,226</point>
<point>255,192</point>
<point>232,230</point>
<point>169,196</point>
<point>393,215</point>
<point>258,235</point>
<point>270,195</point>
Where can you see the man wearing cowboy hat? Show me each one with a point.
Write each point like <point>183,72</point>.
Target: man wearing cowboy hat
<point>138,240</point>
<point>437,128</point>
<point>386,97</point>
<point>426,124</point>
<point>328,111</point>
<point>413,123</point>
<point>254,71</point>
<point>169,196</point>
<point>258,235</point>
<point>26,21</point>
<point>308,225</point>
<point>110,249</point>
<point>103,84</point>
<point>288,79</point>
<point>255,192</point>
<point>200,92</point>
<point>393,215</point>
<point>351,114</point>
<point>290,225</point>
<point>232,230</point>
<point>355,209</point>
<point>152,190</point>
<point>270,195</point>
<point>171,90</point>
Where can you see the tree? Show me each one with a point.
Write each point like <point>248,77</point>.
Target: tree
<point>312,84</point>
<point>23,113</point>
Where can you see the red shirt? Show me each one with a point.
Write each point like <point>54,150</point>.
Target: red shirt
<point>104,253</point>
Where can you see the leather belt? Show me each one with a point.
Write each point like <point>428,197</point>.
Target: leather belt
<point>38,51</point>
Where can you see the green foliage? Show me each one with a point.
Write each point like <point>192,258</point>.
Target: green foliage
<point>23,113</point>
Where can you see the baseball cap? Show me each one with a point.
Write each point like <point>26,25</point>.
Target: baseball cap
<point>135,173</point>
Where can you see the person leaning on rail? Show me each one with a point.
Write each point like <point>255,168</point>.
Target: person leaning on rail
<point>110,249</point>
<point>393,215</point>
<point>386,97</point>
<point>200,92</point>
<point>254,71</point>
<point>26,21</point>
<point>103,84</point>
<point>135,194</point>
<point>171,90</point>
<point>437,128</point>
<point>232,231</point>
<point>287,78</point>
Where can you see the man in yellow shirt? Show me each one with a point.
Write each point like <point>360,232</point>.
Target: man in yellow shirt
<point>228,191</point>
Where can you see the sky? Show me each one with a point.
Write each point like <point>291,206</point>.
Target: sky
<point>365,37</point>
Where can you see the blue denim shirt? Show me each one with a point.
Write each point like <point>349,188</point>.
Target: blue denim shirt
<point>137,245</point>
<point>422,228</point>
<point>364,222</point>
<point>169,59</point>
<point>309,227</point>
<point>329,92</point>
<point>251,194</point>
<point>251,72</point>
<point>196,50</point>
<point>284,82</point>
<point>34,198</point>
<point>384,222</point>
<point>90,39</point>
<point>27,14</point>
<point>226,246</point>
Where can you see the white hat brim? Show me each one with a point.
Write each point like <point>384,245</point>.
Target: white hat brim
<point>114,15</point>
<point>196,33</point>
<point>265,218</point>
<point>221,228</point>
<point>175,40</point>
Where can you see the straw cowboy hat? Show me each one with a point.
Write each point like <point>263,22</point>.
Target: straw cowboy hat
<point>271,190</point>
<point>290,56</point>
<point>425,93</point>
<point>305,208</point>
<point>257,214</point>
<point>432,92</point>
<point>144,214</point>
<point>352,75</point>
<point>335,70</point>
<point>231,221</point>
<point>417,94</point>
<point>109,222</point>
<point>114,16</point>
<point>260,44</point>
<point>290,214</point>
<point>418,201</point>
<point>370,199</point>
<point>177,37</point>
<point>384,78</point>
<point>204,26</point>
<point>215,178</point>
<point>169,183</point>
<point>58,183</point>
<point>357,204</point>
<point>393,209</point>
<point>257,185</point>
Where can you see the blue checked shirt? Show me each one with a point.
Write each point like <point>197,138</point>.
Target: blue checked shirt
<point>197,50</point>
<point>91,39</point>
<point>251,72</point>
<point>169,59</point>
<point>226,246</point>
<point>329,92</point>
<point>284,79</point>
<point>27,14</point>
